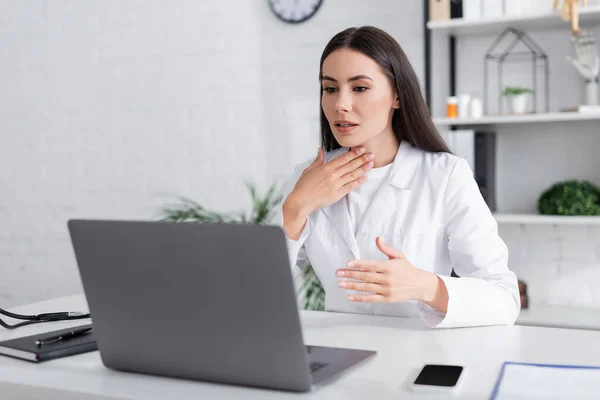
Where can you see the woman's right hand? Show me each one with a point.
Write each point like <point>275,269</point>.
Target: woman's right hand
<point>322,184</point>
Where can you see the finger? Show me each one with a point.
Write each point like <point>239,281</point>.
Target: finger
<point>367,265</point>
<point>367,298</point>
<point>373,277</point>
<point>350,186</point>
<point>355,173</point>
<point>354,165</point>
<point>347,157</point>
<point>363,287</point>
<point>388,250</point>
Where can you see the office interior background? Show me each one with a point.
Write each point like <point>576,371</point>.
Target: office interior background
<point>114,109</point>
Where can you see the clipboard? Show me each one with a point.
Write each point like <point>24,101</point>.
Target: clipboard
<point>546,381</point>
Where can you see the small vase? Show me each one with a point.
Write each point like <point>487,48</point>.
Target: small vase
<point>518,103</point>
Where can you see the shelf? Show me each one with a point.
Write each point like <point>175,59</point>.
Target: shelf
<point>518,119</point>
<point>528,22</point>
<point>545,219</point>
<point>572,317</point>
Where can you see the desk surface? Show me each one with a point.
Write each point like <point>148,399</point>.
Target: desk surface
<point>404,345</point>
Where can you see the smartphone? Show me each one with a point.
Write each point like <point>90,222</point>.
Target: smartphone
<point>439,378</point>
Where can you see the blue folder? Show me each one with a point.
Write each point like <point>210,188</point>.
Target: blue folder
<point>501,375</point>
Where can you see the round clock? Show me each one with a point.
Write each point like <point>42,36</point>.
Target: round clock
<point>294,11</point>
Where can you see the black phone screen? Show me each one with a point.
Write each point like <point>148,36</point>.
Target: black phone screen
<point>439,375</point>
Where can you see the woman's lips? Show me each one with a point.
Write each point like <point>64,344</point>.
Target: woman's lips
<point>345,128</point>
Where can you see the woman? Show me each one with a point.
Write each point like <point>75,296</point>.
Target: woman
<point>385,212</point>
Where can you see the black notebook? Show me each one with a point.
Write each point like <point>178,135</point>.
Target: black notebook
<point>26,348</point>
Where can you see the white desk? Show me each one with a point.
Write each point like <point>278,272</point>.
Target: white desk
<point>404,345</point>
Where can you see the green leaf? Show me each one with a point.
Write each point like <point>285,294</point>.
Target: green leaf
<point>515,91</point>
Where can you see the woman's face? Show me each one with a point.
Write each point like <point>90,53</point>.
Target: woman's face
<point>357,97</point>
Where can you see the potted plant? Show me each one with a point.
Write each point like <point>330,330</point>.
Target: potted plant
<point>310,291</point>
<point>570,197</point>
<point>517,98</point>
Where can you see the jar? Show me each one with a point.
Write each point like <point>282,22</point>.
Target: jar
<point>476,108</point>
<point>452,107</point>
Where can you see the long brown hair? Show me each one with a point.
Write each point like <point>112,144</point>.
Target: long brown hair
<point>411,122</point>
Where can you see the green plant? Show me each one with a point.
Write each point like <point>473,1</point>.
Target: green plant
<point>515,91</point>
<point>188,210</point>
<point>311,290</point>
<point>571,197</point>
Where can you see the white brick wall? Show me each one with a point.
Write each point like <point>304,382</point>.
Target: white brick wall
<point>107,107</point>
<point>561,263</point>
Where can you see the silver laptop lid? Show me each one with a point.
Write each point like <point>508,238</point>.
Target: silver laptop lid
<point>210,302</point>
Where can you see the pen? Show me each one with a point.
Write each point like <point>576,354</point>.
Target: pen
<point>67,335</point>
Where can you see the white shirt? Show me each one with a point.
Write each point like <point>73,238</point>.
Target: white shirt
<point>360,198</point>
<point>430,208</point>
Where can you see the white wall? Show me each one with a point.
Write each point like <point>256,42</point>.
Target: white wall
<point>561,263</point>
<point>109,107</point>
<point>291,68</point>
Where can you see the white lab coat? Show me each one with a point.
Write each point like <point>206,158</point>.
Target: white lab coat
<point>431,209</point>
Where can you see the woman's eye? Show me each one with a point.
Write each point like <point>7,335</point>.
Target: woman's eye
<point>329,89</point>
<point>360,88</point>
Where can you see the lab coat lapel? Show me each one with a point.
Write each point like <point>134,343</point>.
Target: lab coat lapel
<point>339,214</point>
<point>400,177</point>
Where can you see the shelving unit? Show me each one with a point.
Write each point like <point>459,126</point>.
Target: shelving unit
<point>531,22</point>
<point>537,314</point>
<point>537,219</point>
<point>518,119</point>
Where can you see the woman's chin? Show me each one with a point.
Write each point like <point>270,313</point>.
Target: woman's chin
<point>348,140</point>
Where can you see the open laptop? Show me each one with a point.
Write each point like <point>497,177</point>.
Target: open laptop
<point>210,302</point>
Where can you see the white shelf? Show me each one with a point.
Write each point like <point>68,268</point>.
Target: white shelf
<point>529,22</point>
<point>518,119</point>
<point>546,219</point>
<point>560,317</point>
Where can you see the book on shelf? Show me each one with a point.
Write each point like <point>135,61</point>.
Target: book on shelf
<point>583,109</point>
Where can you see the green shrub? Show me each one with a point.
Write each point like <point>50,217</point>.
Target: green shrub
<point>571,197</point>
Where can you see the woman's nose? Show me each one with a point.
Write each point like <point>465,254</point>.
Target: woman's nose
<point>343,103</point>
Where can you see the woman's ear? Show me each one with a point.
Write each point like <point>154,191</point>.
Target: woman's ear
<point>396,102</point>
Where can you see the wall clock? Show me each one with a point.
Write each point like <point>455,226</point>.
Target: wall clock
<point>294,11</point>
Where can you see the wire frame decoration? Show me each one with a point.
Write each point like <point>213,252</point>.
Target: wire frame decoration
<point>532,53</point>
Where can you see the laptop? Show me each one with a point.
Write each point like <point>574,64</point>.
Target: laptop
<point>208,302</point>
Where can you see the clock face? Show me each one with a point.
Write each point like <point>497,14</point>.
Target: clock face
<point>294,11</point>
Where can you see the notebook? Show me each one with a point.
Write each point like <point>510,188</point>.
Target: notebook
<point>25,348</point>
<point>547,381</point>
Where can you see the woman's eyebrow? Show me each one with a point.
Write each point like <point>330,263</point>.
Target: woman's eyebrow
<point>354,78</point>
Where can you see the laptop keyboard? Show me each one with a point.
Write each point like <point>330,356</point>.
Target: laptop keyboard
<point>315,366</point>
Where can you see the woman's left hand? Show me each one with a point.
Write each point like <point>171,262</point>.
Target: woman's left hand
<point>385,281</point>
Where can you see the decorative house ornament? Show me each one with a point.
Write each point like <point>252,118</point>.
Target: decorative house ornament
<point>515,46</point>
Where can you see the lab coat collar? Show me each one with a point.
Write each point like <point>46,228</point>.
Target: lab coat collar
<point>405,166</point>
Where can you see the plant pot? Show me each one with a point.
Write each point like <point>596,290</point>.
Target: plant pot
<point>517,104</point>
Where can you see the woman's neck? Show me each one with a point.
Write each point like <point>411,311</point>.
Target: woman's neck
<point>384,147</point>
